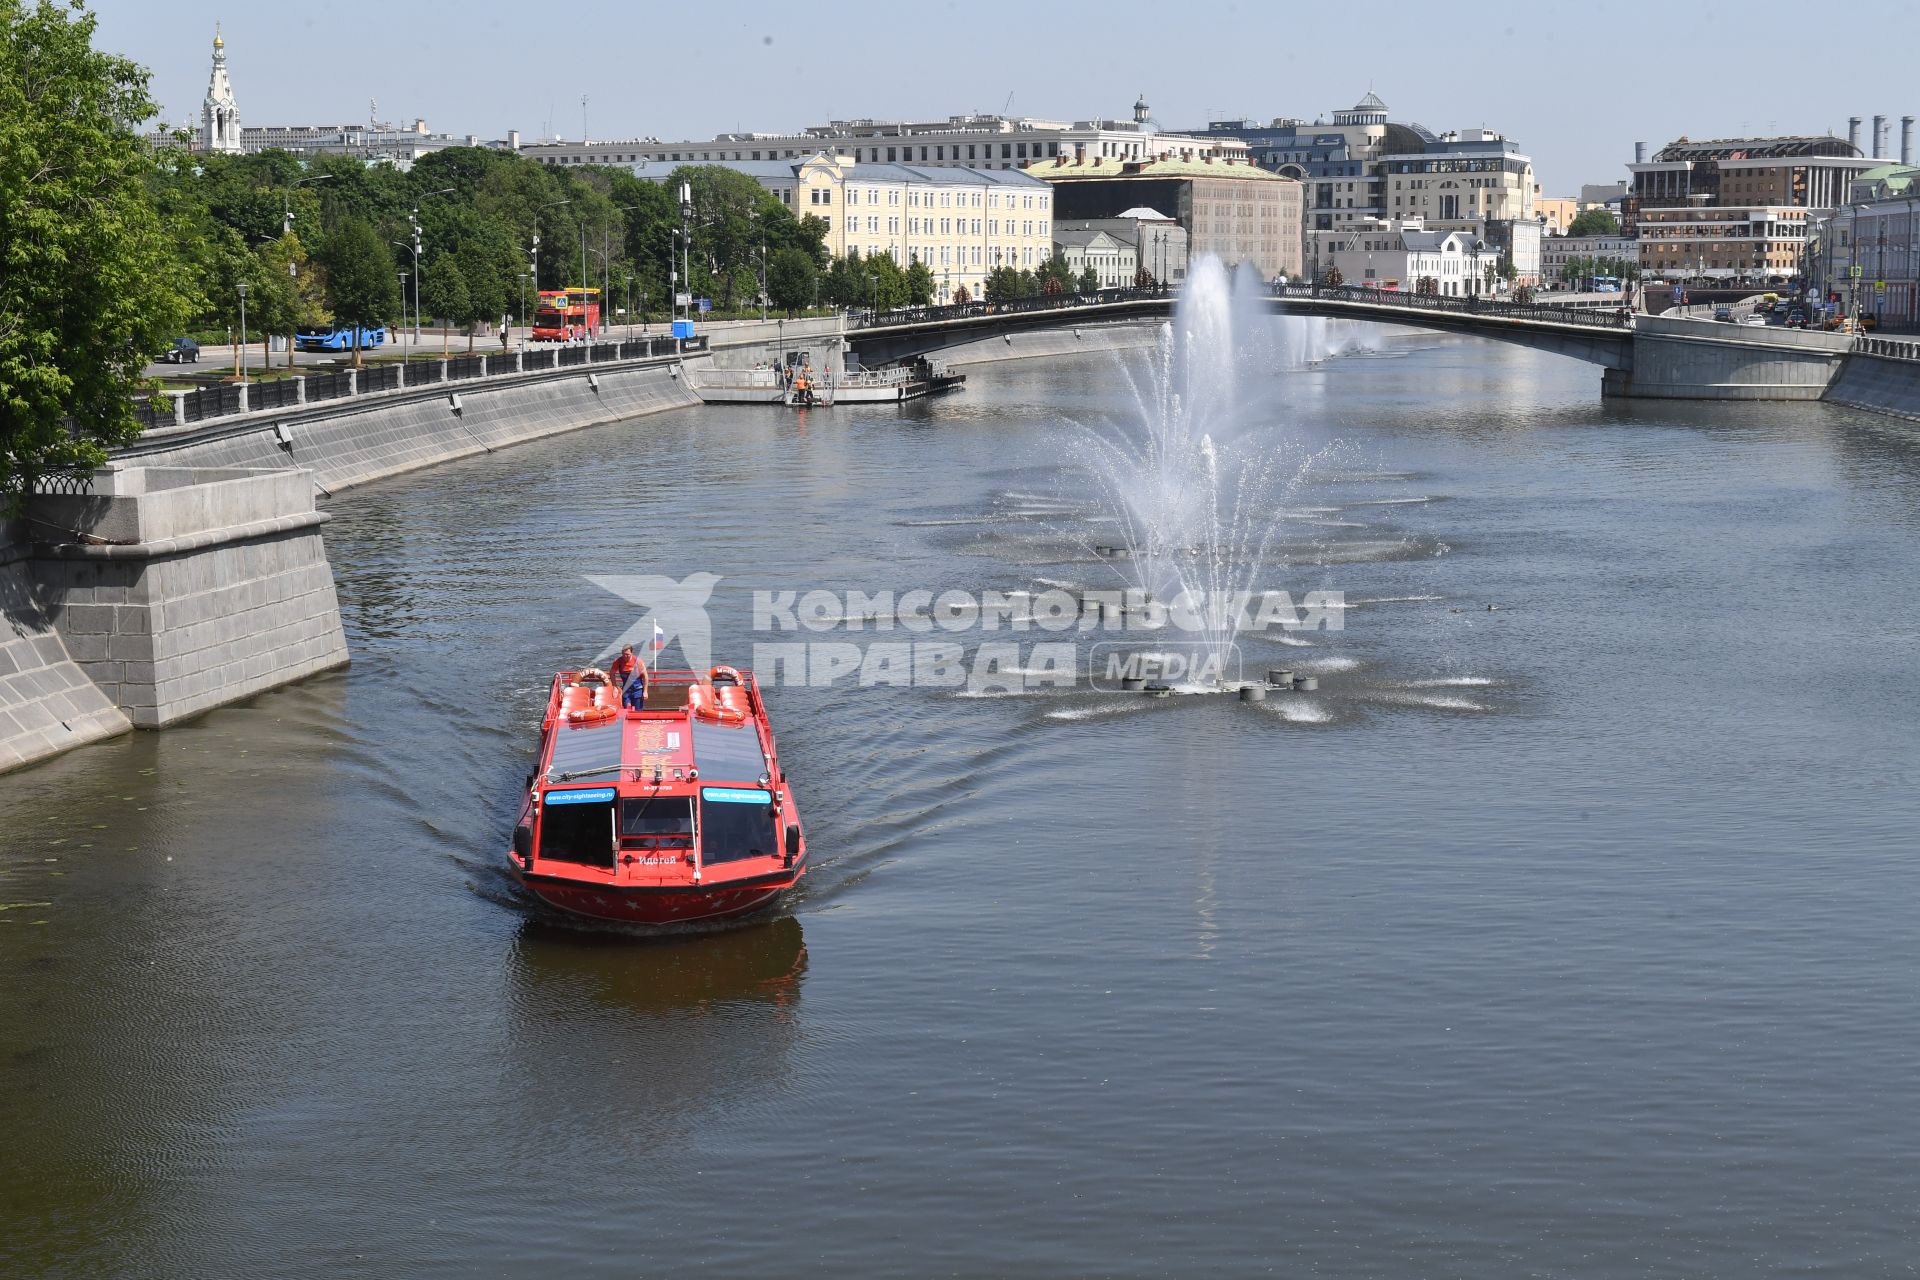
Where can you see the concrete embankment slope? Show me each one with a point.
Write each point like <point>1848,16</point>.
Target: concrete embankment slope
<point>350,442</point>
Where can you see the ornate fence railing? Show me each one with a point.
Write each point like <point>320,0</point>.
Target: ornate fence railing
<point>219,400</point>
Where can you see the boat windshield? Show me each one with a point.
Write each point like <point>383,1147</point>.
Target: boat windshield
<point>577,826</point>
<point>656,820</point>
<point>736,823</point>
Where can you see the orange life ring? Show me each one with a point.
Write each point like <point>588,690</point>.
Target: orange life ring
<point>593,673</point>
<point>591,715</point>
<point>725,673</point>
<point>705,705</point>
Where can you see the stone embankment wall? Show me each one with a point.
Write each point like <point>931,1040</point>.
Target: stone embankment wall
<point>1880,383</point>
<point>1680,359</point>
<point>353,441</point>
<point>1035,343</point>
<point>47,703</point>
<point>178,590</point>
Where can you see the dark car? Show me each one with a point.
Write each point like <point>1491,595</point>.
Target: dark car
<point>183,351</point>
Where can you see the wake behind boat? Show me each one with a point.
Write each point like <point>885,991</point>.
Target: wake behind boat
<point>675,813</point>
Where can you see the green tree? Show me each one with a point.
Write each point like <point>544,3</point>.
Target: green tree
<point>91,283</point>
<point>792,276</point>
<point>444,296</point>
<point>362,289</point>
<point>1594,222</point>
<point>1054,276</point>
<point>845,282</point>
<point>286,290</point>
<point>919,284</point>
<point>888,286</point>
<point>1089,280</point>
<point>1003,285</point>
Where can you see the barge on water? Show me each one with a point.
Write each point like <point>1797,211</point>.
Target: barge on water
<point>676,813</point>
<point>802,388</point>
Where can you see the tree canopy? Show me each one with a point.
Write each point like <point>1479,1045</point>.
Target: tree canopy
<point>1594,222</point>
<point>792,278</point>
<point>362,287</point>
<point>91,283</point>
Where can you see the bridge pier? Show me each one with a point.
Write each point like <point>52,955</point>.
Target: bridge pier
<point>1675,359</point>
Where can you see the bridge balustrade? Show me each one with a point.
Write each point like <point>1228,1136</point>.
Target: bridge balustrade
<point>1067,302</point>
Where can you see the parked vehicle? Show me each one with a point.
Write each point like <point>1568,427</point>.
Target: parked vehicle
<point>566,315</point>
<point>329,337</point>
<point>181,351</point>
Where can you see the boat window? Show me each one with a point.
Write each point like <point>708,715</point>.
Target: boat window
<point>577,832</point>
<point>652,820</point>
<point>735,823</point>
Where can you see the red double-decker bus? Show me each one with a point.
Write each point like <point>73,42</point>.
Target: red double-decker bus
<point>566,315</point>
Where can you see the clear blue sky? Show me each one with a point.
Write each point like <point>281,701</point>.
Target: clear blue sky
<point>1574,84</point>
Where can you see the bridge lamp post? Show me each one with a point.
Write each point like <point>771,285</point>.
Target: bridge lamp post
<point>239,356</point>
<point>523,310</point>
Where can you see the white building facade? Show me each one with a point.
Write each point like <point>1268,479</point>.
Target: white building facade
<point>1158,242</point>
<point>1114,261</point>
<point>1398,256</point>
<point>962,223</point>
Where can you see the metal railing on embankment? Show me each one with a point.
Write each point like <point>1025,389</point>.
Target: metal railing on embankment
<point>225,400</point>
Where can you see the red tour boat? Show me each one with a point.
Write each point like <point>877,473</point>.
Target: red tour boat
<point>676,813</point>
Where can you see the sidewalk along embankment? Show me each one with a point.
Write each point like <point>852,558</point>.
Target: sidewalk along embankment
<point>366,437</point>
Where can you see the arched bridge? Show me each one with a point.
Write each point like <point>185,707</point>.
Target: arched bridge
<point>1604,338</point>
<point>1639,355</point>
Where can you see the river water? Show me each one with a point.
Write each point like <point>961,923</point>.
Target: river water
<point>1571,938</point>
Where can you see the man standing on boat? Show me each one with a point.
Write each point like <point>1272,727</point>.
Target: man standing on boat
<point>623,667</point>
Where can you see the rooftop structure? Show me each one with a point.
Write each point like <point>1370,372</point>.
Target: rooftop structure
<point>976,141</point>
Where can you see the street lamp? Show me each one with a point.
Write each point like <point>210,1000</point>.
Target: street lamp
<point>414,249</point>
<point>533,254</point>
<point>414,219</point>
<point>406,349</point>
<point>286,216</point>
<point>239,352</point>
<point>523,310</point>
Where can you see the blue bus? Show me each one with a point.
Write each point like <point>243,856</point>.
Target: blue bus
<point>328,337</point>
<point>1605,284</point>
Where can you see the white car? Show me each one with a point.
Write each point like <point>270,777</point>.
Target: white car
<point>1759,320</point>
